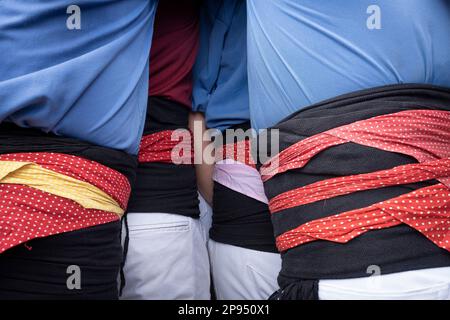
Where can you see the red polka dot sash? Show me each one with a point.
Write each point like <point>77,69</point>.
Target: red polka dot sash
<point>422,134</point>
<point>239,151</point>
<point>27,213</point>
<point>331,188</point>
<point>168,146</point>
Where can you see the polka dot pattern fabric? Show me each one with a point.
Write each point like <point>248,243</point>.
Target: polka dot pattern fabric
<point>239,151</point>
<point>33,175</point>
<point>427,210</point>
<point>108,180</point>
<point>27,213</point>
<point>293,158</point>
<point>330,188</point>
<point>422,134</point>
<point>168,146</point>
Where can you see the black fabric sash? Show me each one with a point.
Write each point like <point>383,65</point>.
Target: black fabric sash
<point>165,187</point>
<point>14,139</point>
<point>240,220</point>
<point>395,249</point>
<point>39,269</point>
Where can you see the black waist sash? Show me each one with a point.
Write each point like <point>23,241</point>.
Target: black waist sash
<point>240,220</point>
<point>38,270</point>
<point>15,139</point>
<point>165,187</point>
<point>394,249</point>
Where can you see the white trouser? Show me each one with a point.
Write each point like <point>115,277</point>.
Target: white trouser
<point>205,215</point>
<point>243,274</point>
<point>240,273</point>
<point>426,284</point>
<point>167,257</point>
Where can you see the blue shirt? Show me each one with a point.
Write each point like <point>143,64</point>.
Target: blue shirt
<point>303,52</point>
<point>220,73</point>
<point>90,84</point>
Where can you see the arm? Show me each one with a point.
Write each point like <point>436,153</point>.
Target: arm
<point>203,170</point>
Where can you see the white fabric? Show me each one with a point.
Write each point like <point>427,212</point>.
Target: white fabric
<point>167,258</point>
<point>243,274</point>
<point>426,284</point>
<point>205,215</point>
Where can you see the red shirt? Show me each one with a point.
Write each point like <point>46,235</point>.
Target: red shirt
<point>174,50</point>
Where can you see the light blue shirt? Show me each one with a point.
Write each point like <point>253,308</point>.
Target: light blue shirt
<point>90,84</point>
<point>220,74</point>
<point>303,52</point>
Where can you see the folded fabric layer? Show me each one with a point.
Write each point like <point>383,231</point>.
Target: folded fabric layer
<point>39,269</point>
<point>241,178</point>
<point>425,210</point>
<point>28,213</point>
<point>362,179</point>
<point>423,134</point>
<point>166,174</point>
<point>241,215</point>
<point>46,193</point>
<point>330,188</point>
<point>15,171</point>
<point>168,146</point>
